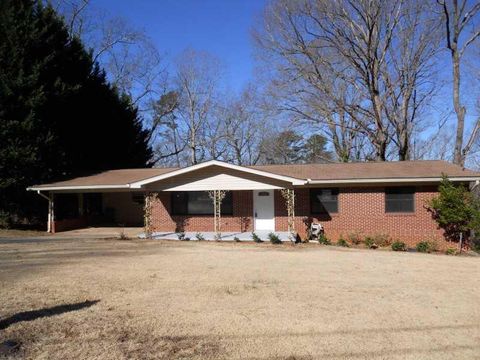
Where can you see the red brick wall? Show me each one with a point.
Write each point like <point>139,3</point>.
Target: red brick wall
<point>362,210</point>
<point>241,220</point>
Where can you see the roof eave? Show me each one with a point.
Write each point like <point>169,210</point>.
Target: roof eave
<point>392,180</point>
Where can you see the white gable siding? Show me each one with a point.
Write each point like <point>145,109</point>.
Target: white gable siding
<point>216,178</point>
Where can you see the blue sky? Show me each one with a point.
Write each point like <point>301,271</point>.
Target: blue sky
<point>221,27</point>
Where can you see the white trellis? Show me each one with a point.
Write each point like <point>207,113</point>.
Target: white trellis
<point>289,196</point>
<point>217,197</point>
<point>147,213</point>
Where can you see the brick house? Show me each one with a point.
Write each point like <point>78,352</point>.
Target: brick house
<point>365,198</point>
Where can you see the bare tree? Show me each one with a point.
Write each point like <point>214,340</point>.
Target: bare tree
<point>321,47</point>
<point>461,30</point>
<point>196,80</point>
<point>246,125</point>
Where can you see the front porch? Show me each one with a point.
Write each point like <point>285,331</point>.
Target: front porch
<point>225,236</point>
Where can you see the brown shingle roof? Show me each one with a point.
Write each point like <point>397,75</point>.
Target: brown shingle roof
<point>111,177</point>
<point>369,170</point>
<point>335,171</point>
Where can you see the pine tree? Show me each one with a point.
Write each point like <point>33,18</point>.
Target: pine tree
<point>59,117</point>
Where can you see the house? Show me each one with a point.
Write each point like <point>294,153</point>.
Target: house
<point>368,198</point>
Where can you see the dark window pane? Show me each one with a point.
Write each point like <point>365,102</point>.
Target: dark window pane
<point>179,203</point>
<point>400,199</point>
<point>198,203</point>
<point>227,204</point>
<point>323,201</point>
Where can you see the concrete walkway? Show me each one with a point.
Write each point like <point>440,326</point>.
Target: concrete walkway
<point>226,236</point>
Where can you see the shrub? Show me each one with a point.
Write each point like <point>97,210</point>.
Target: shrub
<point>382,240</point>
<point>451,251</point>
<point>424,247</point>
<point>122,235</point>
<point>236,239</point>
<point>355,238</point>
<point>199,236</point>
<point>5,220</point>
<point>274,239</point>
<point>322,239</point>
<point>456,210</point>
<point>342,242</point>
<point>256,238</point>
<point>476,245</point>
<point>181,236</point>
<point>370,243</point>
<point>399,246</point>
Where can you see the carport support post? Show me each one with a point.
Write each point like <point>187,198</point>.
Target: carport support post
<point>51,213</point>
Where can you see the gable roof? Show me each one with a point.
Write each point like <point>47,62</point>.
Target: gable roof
<point>371,170</point>
<point>296,174</point>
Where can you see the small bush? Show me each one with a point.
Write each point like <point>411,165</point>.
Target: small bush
<point>399,246</point>
<point>355,238</point>
<point>476,245</point>
<point>5,220</point>
<point>199,236</point>
<point>322,239</point>
<point>181,236</point>
<point>382,240</point>
<point>424,247</point>
<point>370,243</point>
<point>451,251</point>
<point>256,238</point>
<point>274,239</point>
<point>122,235</point>
<point>342,242</point>
<point>236,239</point>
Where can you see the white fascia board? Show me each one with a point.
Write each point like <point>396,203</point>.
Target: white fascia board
<point>390,180</point>
<point>80,187</point>
<point>170,174</point>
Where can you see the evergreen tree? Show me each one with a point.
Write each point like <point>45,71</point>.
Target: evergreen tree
<point>59,117</point>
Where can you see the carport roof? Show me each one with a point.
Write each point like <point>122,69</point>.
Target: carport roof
<point>365,172</point>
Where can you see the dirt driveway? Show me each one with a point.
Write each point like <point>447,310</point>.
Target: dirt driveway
<point>137,299</point>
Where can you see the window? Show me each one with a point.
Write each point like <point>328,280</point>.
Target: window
<point>399,199</point>
<point>323,201</point>
<point>198,203</point>
<point>138,198</point>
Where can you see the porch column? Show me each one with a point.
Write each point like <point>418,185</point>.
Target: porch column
<point>51,213</point>
<point>289,196</point>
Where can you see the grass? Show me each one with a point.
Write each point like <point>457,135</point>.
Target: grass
<point>112,299</point>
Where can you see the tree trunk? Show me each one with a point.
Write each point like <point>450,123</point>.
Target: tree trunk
<point>458,157</point>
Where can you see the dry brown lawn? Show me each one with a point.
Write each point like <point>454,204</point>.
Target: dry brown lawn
<point>114,299</point>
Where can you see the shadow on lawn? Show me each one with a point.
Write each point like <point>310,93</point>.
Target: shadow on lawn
<point>46,312</point>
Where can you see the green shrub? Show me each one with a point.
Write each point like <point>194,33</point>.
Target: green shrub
<point>399,246</point>
<point>355,238</point>
<point>256,238</point>
<point>370,243</point>
<point>274,239</point>
<point>199,236</point>
<point>342,242</point>
<point>322,239</point>
<point>476,245</point>
<point>236,239</point>
<point>451,251</point>
<point>5,220</point>
<point>424,247</point>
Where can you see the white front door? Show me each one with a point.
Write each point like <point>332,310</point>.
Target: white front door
<point>263,208</point>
